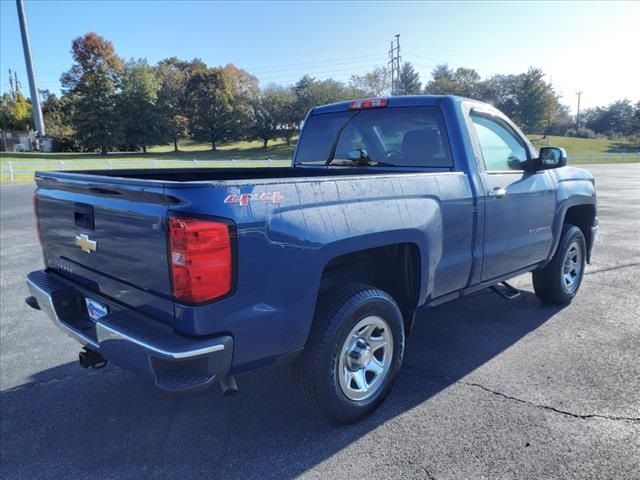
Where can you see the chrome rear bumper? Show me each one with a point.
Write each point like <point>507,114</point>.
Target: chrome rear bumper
<point>131,340</point>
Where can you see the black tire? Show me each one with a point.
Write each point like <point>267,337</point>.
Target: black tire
<point>339,311</point>
<point>548,282</point>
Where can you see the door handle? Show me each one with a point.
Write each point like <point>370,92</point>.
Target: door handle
<point>497,192</point>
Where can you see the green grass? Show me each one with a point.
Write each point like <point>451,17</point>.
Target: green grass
<point>278,151</point>
<point>586,146</point>
<point>616,151</point>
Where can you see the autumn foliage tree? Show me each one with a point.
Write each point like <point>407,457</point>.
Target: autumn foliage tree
<point>209,99</point>
<point>94,80</point>
<point>108,105</point>
<point>138,99</point>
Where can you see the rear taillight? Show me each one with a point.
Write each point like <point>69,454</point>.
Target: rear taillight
<point>201,259</point>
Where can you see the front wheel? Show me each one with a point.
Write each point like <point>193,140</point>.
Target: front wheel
<point>353,354</point>
<point>559,281</point>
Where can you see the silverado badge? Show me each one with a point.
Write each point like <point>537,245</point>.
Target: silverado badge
<point>85,243</point>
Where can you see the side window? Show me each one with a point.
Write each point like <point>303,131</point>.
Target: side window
<point>501,149</point>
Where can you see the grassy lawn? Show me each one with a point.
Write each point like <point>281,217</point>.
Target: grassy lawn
<point>277,150</point>
<point>586,146</point>
<point>224,156</point>
<point>616,151</point>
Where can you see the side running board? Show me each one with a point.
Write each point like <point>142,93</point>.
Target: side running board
<point>505,290</point>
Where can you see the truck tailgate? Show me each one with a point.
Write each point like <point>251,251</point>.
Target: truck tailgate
<point>109,237</point>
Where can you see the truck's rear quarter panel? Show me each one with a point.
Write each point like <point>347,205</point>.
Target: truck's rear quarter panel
<point>282,248</point>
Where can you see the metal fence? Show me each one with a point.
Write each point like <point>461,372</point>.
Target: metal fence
<point>18,171</point>
<point>622,157</point>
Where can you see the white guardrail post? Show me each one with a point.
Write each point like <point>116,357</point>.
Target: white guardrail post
<point>11,179</point>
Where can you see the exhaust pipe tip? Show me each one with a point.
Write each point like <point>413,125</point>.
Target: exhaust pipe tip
<point>89,358</point>
<point>229,386</point>
<point>32,302</point>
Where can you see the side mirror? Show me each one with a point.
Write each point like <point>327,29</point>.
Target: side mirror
<point>550,157</point>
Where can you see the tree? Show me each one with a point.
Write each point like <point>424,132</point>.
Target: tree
<point>245,94</point>
<point>310,92</point>
<point>373,84</point>
<point>561,121</point>
<point>6,103</point>
<point>636,119</point>
<point>501,92</point>
<point>468,82</point>
<point>442,81</point>
<point>284,111</point>
<point>408,81</point>
<point>94,81</point>
<point>265,124</point>
<point>536,101</point>
<point>57,114</point>
<point>171,103</point>
<point>614,120</point>
<point>21,113</point>
<point>463,82</point>
<point>171,106</point>
<point>138,99</point>
<point>209,100</point>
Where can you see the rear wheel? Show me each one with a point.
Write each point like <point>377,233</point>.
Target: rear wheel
<point>353,354</point>
<point>559,281</point>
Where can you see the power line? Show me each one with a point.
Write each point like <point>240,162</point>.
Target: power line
<point>342,61</point>
<point>348,70</point>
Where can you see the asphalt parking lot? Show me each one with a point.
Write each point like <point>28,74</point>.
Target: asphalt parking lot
<point>490,388</point>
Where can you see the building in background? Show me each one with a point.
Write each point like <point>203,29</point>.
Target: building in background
<point>23,141</point>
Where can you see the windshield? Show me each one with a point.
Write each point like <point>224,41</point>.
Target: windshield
<point>404,137</point>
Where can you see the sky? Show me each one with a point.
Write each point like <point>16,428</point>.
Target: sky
<point>591,47</point>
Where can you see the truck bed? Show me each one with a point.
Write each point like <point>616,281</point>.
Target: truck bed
<point>225,174</point>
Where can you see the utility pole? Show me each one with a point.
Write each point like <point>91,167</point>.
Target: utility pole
<point>579,94</point>
<point>12,90</point>
<point>33,87</point>
<point>394,62</point>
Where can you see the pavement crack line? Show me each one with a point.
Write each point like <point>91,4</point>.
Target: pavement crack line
<point>552,409</point>
<point>614,267</point>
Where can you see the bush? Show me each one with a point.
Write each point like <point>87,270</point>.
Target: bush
<point>65,144</point>
<point>580,133</point>
<point>585,133</point>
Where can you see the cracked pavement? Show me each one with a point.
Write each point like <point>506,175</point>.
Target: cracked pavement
<point>490,388</point>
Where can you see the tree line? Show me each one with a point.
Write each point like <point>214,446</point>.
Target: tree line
<point>108,103</point>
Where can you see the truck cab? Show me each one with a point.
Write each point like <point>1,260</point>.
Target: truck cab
<point>192,276</point>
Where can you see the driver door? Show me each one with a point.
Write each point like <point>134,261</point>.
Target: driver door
<point>519,205</point>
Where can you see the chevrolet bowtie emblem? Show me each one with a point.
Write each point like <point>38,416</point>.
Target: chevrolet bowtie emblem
<point>85,244</point>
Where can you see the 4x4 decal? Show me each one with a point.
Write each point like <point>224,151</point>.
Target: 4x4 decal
<point>243,199</point>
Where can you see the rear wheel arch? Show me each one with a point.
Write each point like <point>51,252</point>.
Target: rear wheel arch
<point>394,268</point>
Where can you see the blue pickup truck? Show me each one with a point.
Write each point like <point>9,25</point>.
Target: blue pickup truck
<point>192,276</point>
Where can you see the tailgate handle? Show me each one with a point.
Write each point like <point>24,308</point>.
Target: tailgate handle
<point>83,215</point>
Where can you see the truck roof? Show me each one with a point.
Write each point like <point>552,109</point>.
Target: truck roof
<point>399,101</point>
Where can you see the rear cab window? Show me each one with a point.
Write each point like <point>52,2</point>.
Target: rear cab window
<point>389,137</point>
